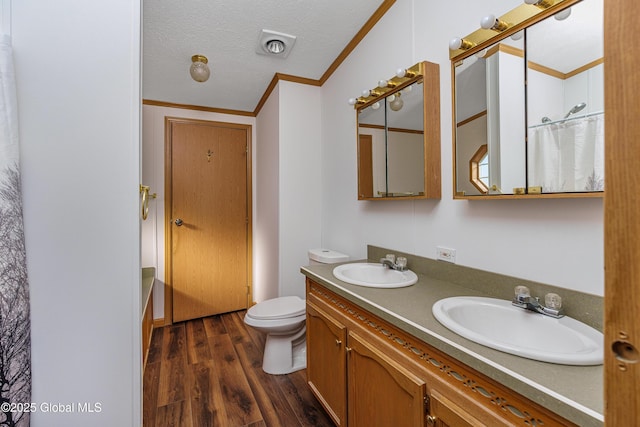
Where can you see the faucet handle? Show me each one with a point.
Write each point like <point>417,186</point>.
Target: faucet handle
<point>391,257</point>
<point>552,300</point>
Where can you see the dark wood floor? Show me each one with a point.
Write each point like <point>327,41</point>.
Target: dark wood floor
<point>207,372</point>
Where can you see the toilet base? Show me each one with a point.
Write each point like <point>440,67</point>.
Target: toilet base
<point>285,354</point>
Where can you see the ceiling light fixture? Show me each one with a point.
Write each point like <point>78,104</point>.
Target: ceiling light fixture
<point>199,69</point>
<point>276,44</point>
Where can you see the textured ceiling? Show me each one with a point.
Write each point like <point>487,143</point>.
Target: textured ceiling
<point>227,33</point>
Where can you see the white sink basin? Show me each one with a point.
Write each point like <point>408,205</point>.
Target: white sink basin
<point>497,324</point>
<point>374,275</point>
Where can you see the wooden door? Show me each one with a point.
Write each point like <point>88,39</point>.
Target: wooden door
<point>326,362</point>
<point>381,391</point>
<point>365,167</point>
<point>621,214</point>
<point>208,205</point>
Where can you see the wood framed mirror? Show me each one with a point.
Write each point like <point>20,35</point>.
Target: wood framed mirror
<point>531,88</point>
<point>398,136</point>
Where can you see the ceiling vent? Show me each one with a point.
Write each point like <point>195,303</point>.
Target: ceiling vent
<point>276,44</point>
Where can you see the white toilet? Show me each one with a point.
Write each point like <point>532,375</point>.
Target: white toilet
<point>283,320</point>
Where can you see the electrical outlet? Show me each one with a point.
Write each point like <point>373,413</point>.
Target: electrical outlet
<point>446,254</point>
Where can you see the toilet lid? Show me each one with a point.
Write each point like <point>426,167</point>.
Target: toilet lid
<point>278,308</point>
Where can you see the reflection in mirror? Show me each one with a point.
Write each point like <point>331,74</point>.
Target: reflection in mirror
<point>535,97</point>
<point>566,100</point>
<point>405,142</point>
<point>489,102</point>
<point>371,150</point>
<point>391,145</point>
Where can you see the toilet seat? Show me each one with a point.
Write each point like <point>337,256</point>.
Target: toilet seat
<point>278,308</point>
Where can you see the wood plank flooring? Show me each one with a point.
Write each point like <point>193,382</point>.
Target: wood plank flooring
<point>208,372</point>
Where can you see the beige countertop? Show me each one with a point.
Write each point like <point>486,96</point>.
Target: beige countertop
<point>573,392</point>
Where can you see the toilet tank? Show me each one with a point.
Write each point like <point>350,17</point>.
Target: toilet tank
<point>326,256</point>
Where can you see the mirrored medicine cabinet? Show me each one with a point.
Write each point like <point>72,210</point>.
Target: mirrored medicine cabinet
<point>398,136</point>
<point>529,104</point>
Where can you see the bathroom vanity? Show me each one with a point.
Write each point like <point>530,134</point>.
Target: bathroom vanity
<point>379,357</point>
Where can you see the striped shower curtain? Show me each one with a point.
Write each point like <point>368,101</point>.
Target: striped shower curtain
<point>15,329</point>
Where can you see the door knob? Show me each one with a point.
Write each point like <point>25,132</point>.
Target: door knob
<point>178,222</point>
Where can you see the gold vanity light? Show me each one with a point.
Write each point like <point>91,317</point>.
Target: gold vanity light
<point>542,4</point>
<point>490,22</point>
<point>402,79</point>
<point>506,25</point>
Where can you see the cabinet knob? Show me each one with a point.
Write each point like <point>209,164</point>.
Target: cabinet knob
<point>348,349</point>
<point>431,420</point>
<point>338,342</point>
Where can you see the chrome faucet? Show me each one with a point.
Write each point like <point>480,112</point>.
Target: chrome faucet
<point>390,261</point>
<point>552,306</point>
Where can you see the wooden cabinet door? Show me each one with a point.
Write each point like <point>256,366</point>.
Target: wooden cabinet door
<point>326,362</point>
<point>445,413</point>
<point>381,391</point>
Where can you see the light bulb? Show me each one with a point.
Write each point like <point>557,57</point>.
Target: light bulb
<point>488,22</point>
<point>397,103</point>
<point>401,72</point>
<point>352,101</point>
<point>366,93</point>
<point>455,44</point>
<point>458,43</point>
<point>518,35</point>
<point>562,15</point>
<point>275,46</point>
<point>376,105</point>
<point>382,83</point>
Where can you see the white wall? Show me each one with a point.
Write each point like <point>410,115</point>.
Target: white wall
<point>153,140</point>
<point>78,83</point>
<point>559,242</point>
<point>266,231</point>
<point>300,182</point>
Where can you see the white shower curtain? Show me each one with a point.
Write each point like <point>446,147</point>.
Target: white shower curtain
<point>569,156</point>
<point>15,338</point>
